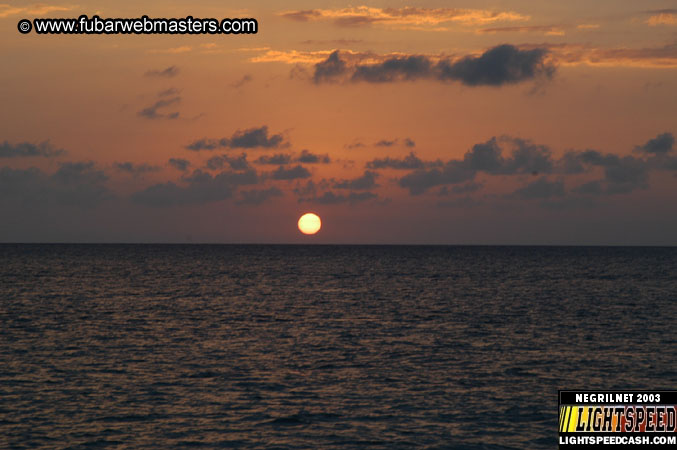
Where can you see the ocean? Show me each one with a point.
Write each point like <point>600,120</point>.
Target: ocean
<point>282,346</point>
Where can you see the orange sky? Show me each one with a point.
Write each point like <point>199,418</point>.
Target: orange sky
<point>477,122</point>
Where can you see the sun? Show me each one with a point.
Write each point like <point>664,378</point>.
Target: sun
<point>310,223</point>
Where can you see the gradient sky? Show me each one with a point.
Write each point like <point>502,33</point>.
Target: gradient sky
<point>437,122</point>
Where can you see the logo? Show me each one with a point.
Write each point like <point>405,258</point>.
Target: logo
<point>624,419</point>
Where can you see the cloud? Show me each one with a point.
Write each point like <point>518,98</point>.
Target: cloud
<point>135,169</point>
<point>626,175</point>
<point>307,157</point>
<point>405,17</point>
<point>27,149</point>
<point>151,112</point>
<point>235,162</point>
<point>198,188</point>
<point>330,69</point>
<point>291,173</point>
<point>409,143</point>
<point>249,138</point>
<point>528,157</point>
<point>363,182</point>
<point>660,145</point>
<point>179,163</point>
<point>169,72</point>
<point>665,17</point>
<point>548,30</point>
<point>525,158</point>
<point>386,143</point>
<point>74,183</point>
<point>168,92</point>
<point>452,172</point>
<point>497,66</point>
<point>242,81</point>
<point>399,68</point>
<point>259,196</point>
<point>513,156</point>
<point>354,145</point>
<point>621,174</point>
<point>541,189</point>
<point>291,56</point>
<point>409,162</point>
<point>277,159</point>
<point>504,64</point>
<point>581,54</point>
<point>34,10</point>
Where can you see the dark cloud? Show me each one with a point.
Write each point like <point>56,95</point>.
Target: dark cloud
<point>329,69</point>
<point>277,159</point>
<point>258,196</point>
<point>363,182</point>
<point>452,172</point>
<point>27,149</point>
<point>249,138</point>
<point>525,158</point>
<point>179,163</point>
<point>504,64</point>
<point>235,162</point>
<point>290,173</point>
<point>135,169</point>
<point>74,183</point>
<point>660,145</point>
<point>409,143</point>
<point>621,174</point>
<point>151,112</point>
<point>302,16</point>
<point>242,81</point>
<point>169,72</point>
<point>308,190</point>
<point>528,158</point>
<point>200,187</point>
<point>312,158</point>
<point>541,189</point>
<point>627,175</point>
<point>501,65</point>
<point>409,162</point>
<point>386,143</point>
<point>354,145</point>
<point>168,92</point>
<point>404,68</point>
<point>485,156</point>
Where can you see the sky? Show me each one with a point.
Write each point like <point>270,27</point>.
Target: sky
<point>397,122</point>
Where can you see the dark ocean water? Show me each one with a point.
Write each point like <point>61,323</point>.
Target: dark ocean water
<point>322,346</point>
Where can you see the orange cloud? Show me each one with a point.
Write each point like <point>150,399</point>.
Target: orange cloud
<point>580,54</point>
<point>560,54</point>
<point>36,10</point>
<point>548,30</point>
<point>404,17</point>
<point>664,18</point>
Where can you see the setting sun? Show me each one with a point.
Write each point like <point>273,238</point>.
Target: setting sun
<point>310,223</point>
